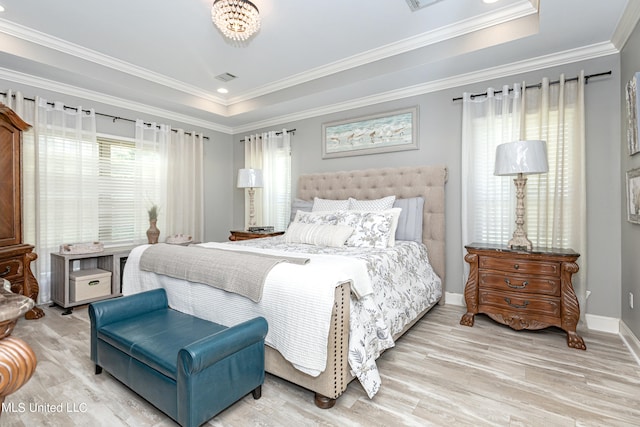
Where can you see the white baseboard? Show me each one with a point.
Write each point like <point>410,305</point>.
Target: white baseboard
<point>630,340</point>
<point>602,323</point>
<point>454,299</point>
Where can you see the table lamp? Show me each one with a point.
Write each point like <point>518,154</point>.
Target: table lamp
<point>251,179</point>
<point>521,158</point>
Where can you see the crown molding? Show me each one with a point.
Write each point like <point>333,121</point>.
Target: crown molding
<point>533,64</point>
<point>542,62</point>
<point>496,17</point>
<point>627,24</point>
<point>33,36</point>
<point>58,87</point>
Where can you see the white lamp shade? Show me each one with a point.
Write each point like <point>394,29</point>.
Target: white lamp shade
<point>525,157</point>
<point>250,178</point>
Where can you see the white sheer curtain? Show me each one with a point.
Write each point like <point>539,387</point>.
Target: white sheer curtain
<point>185,185</point>
<point>169,170</point>
<point>152,142</point>
<point>60,176</point>
<point>555,201</point>
<point>271,152</point>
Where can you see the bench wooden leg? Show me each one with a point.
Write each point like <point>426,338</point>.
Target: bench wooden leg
<point>257,392</point>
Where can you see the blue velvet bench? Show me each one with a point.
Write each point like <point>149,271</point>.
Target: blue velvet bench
<point>189,368</point>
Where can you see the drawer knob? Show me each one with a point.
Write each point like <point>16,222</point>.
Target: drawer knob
<point>6,271</point>
<point>508,301</point>
<point>516,266</point>
<point>524,284</point>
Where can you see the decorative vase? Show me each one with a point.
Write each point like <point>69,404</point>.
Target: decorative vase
<point>153,233</point>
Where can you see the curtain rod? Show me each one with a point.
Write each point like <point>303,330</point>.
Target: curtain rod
<point>539,85</point>
<point>277,133</point>
<point>99,114</point>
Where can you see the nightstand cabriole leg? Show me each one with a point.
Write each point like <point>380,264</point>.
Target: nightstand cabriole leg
<point>471,291</point>
<point>570,306</point>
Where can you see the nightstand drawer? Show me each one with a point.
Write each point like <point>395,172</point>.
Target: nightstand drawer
<point>520,266</point>
<point>516,283</point>
<point>521,303</point>
<point>11,269</point>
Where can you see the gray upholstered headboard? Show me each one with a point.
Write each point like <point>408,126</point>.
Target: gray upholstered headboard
<point>404,182</point>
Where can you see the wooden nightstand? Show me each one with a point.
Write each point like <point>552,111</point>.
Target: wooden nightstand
<point>246,235</point>
<point>523,290</point>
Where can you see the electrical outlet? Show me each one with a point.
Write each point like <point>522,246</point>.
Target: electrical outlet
<point>630,299</point>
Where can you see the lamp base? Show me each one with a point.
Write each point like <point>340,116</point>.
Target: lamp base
<point>520,242</point>
<point>519,239</point>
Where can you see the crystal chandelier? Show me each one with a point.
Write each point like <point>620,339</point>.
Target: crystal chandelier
<point>237,19</point>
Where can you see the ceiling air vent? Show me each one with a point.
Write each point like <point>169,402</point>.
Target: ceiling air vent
<point>419,4</point>
<point>225,77</point>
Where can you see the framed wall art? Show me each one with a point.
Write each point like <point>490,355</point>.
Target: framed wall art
<point>631,95</point>
<point>633,196</point>
<point>377,133</point>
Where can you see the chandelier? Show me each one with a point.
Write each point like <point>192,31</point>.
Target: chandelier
<point>237,19</point>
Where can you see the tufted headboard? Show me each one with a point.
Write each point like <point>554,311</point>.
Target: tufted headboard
<point>404,182</point>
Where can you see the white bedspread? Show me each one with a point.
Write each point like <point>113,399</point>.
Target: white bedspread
<point>299,331</point>
<point>393,286</point>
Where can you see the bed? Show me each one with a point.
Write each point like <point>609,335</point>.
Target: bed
<point>338,351</point>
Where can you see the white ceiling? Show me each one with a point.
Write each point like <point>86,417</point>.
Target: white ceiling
<point>307,59</point>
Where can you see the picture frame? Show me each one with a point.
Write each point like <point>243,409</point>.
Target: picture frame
<point>631,95</point>
<point>377,133</point>
<point>633,196</point>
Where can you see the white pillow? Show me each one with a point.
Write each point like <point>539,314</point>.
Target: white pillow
<point>371,205</point>
<point>370,229</point>
<point>329,205</point>
<point>318,234</point>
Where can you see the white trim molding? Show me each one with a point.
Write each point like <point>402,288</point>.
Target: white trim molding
<point>630,340</point>
<point>602,324</point>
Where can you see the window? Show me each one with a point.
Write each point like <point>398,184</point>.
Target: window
<point>116,186</point>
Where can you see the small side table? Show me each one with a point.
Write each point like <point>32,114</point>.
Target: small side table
<point>17,359</point>
<point>523,290</point>
<point>246,235</point>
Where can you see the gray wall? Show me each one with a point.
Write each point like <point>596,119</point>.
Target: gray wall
<point>630,64</point>
<point>440,135</point>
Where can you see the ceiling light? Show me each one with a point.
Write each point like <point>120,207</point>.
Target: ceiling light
<point>489,1</point>
<point>1,8</point>
<point>223,90</point>
<point>237,19</point>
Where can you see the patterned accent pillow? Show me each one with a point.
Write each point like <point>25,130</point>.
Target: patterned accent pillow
<point>371,205</point>
<point>329,205</point>
<point>329,218</point>
<point>370,229</point>
<point>317,234</point>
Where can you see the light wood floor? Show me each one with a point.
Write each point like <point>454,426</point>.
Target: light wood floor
<point>439,374</point>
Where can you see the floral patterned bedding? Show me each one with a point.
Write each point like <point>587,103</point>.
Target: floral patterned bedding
<point>404,285</point>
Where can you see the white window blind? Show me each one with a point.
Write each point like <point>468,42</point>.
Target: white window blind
<point>116,189</point>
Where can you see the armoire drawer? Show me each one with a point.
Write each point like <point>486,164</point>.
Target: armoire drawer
<point>11,269</point>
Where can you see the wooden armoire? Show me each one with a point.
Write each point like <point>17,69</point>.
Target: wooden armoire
<point>15,255</point>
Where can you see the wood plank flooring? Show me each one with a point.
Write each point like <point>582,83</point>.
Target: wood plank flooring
<point>439,374</point>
